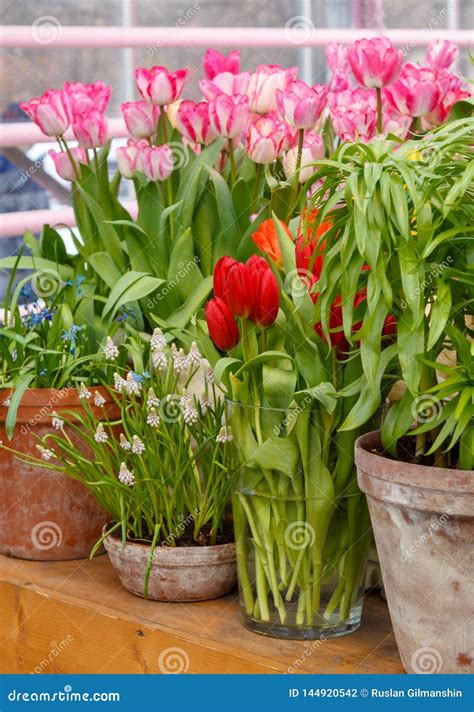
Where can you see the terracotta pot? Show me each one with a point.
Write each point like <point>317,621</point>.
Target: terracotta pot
<point>188,573</point>
<point>423,520</point>
<point>45,515</point>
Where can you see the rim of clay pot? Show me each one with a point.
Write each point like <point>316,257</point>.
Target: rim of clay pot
<point>399,472</point>
<point>174,555</point>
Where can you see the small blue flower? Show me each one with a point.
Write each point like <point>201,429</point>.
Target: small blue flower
<point>43,372</point>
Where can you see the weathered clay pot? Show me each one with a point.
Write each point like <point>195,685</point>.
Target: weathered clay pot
<point>188,573</point>
<point>45,515</point>
<point>423,520</point>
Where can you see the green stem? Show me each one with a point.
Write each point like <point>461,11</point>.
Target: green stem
<point>258,177</point>
<point>379,109</point>
<point>230,150</point>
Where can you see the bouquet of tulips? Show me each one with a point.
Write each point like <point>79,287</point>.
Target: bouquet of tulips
<point>206,174</point>
<point>301,525</point>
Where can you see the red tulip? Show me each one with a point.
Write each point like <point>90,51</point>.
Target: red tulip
<point>222,326</point>
<point>267,295</point>
<point>239,290</point>
<point>390,326</point>
<point>220,273</point>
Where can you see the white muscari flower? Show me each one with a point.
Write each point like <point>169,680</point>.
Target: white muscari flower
<point>14,355</point>
<point>7,402</point>
<point>125,475</point>
<point>157,339</point>
<point>153,418</point>
<point>158,358</point>
<point>84,393</point>
<point>133,387</point>
<point>120,384</point>
<point>210,377</point>
<point>152,400</point>
<point>111,351</point>
<point>180,361</point>
<point>224,435</point>
<point>194,356</point>
<point>100,435</point>
<point>188,409</point>
<point>46,453</point>
<point>138,446</point>
<point>56,421</point>
<point>99,399</point>
<point>124,444</point>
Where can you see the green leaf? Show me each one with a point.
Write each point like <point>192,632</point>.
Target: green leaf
<point>20,388</point>
<point>124,283</point>
<point>182,316</point>
<point>280,454</point>
<point>440,313</point>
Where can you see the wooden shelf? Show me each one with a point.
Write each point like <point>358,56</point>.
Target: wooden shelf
<point>80,610</point>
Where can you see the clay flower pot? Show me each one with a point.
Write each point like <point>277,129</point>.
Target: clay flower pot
<point>423,520</point>
<point>45,515</point>
<point>188,573</point>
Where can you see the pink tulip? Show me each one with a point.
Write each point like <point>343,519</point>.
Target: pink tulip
<point>84,97</point>
<point>62,162</point>
<point>291,136</point>
<point>225,83</point>
<point>375,62</point>
<point>336,59</point>
<point>313,150</point>
<point>91,129</point>
<point>215,63</point>
<point>141,118</point>
<point>51,112</point>
<point>441,54</point>
<point>192,121</point>
<point>452,90</point>
<point>265,139</point>
<point>127,157</point>
<point>398,125</point>
<point>351,99</point>
<point>415,93</point>
<point>229,115</point>
<point>158,86</point>
<point>264,83</point>
<point>155,162</point>
<point>358,124</point>
<point>301,105</point>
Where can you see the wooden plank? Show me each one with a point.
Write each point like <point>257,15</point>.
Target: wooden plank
<point>75,617</point>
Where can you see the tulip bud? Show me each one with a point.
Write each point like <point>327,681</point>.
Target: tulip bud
<point>51,112</point>
<point>158,86</point>
<point>141,118</point>
<point>267,294</point>
<point>229,115</point>
<point>63,165</point>
<point>84,97</point>
<point>239,290</point>
<point>215,63</point>
<point>441,54</point>
<point>91,129</point>
<point>192,121</point>
<point>155,162</point>
<point>264,83</point>
<point>222,326</point>
<point>265,139</point>
<point>301,105</point>
<point>221,270</point>
<point>127,157</point>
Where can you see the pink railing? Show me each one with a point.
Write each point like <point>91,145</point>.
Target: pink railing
<point>158,37</point>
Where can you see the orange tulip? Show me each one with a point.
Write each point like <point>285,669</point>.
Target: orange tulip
<point>266,240</point>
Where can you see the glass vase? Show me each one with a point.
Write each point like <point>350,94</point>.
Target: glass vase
<point>302,528</point>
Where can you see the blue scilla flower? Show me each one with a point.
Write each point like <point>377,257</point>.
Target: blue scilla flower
<point>71,335</point>
<point>43,372</point>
